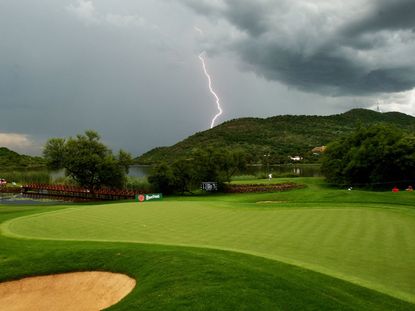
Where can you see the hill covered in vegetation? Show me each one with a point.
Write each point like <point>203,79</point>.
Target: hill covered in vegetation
<point>279,137</point>
<point>10,160</point>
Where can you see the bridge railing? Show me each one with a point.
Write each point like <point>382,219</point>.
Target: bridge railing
<point>78,192</point>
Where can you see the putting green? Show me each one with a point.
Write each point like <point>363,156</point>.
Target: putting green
<point>371,245</point>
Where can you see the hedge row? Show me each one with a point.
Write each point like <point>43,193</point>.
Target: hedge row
<point>262,188</point>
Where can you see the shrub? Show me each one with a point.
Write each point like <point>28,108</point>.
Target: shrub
<point>376,156</point>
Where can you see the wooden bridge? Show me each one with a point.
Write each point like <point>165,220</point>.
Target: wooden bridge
<point>77,192</point>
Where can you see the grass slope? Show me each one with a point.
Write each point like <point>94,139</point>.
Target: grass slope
<point>335,232</point>
<point>178,278</point>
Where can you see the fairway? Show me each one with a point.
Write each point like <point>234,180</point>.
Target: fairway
<point>368,244</point>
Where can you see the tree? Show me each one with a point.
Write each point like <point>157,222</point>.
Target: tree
<point>125,160</point>
<point>233,162</point>
<point>208,164</point>
<point>219,164</point>
<point>186,174</point>
<point>376,156</point>
<point>87,161</point>
<point>161,178</point>
<point>53,153</point>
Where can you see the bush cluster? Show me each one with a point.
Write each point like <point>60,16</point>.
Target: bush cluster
<point>204,165</point>
<point>261,188</point>
<point>87,161</point>
<point>378,156</point>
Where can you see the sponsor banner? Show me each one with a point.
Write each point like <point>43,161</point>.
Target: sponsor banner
<point>148,197</point>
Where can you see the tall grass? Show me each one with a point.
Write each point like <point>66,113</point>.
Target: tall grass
<point>63,180</point>
<point>26,177</point>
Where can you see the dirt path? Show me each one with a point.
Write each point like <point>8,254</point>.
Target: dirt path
<point>78,291</point>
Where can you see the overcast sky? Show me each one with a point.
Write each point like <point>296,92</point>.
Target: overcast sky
<point>130,69</point>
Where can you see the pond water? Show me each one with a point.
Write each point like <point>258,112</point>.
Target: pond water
<point>305,170</point>
<point>301,170</point>
<point>24,199</point>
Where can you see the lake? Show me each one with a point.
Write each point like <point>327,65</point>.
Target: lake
<point>25,199</point>
<point>142,171</point>
<point>301,170</point>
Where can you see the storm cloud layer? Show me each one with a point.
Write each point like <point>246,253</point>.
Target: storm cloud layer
<point>130,70</point>
<point>331,47</point>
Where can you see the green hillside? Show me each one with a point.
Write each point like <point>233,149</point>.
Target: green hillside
<point>279,136</point>
<point>10,160</point>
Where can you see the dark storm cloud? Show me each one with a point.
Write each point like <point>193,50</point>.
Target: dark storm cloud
<point>323,47</point>
<point>251,16</point>
<point>129,69</point>
<point>387,15</point>
<point>67,66</point>
<point>9,80</point>
<point>204,7</point>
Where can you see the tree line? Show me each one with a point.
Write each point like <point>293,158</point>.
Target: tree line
<point>88,161</point>
<point>378,156</point>
<point>375,156</point>
<point>204,165</point>
<point>92,165</point>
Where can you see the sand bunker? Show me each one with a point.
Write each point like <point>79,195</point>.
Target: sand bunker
<point>78,291</point>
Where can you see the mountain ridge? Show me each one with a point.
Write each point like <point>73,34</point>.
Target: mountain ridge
<point>278,137</point>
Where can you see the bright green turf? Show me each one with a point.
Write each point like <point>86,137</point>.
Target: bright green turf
<point>179,278</point>
<point>367,243</point>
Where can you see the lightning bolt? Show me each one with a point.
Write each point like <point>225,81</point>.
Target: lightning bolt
<point>200,31</point>
<point>212,91</point>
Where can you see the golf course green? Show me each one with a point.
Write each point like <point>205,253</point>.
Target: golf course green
<point>316,248</point>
